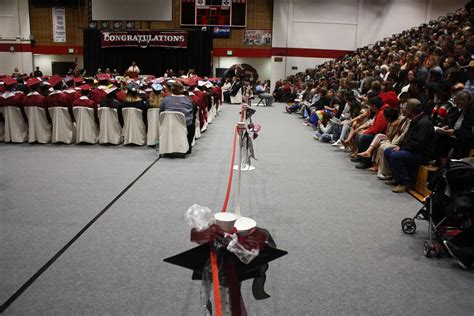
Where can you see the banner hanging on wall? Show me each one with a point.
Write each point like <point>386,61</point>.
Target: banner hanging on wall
<point>144,39</point>
<point>258,37</point>
<point>59,25</point>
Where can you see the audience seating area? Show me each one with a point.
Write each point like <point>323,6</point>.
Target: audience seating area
<point>402,107</point>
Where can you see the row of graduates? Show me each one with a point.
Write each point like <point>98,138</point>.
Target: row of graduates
<point>105,91</point>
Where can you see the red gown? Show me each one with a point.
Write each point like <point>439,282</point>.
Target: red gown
<point>73,95</point>
<point>12,98</point>
<point>120,95</point>
<point>35,99</point>
<point>202,105</point>
<point>97,95</point>
<point>61,99</point>
<point>58,98</point>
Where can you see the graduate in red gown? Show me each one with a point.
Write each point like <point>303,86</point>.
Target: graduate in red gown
<point>217,92</point>
<point>85,101</point>
<point>58,98</point>
<point>11,97</point>
<point>98,94</point>
<point>202,104</point>
<point>71,90</point>
<point>34,98</point>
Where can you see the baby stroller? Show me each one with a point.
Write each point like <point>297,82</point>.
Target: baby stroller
<point>449,208</point>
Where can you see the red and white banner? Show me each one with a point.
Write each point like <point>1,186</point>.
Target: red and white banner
<point>144,39</point>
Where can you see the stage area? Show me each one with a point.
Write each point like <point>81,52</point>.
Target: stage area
<point>340,225</point>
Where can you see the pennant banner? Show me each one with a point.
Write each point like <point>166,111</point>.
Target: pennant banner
<point>144,39</point>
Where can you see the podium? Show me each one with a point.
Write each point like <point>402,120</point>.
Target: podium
<point>131,74</point>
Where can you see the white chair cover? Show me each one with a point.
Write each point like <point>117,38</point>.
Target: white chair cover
<point>87,130</point>
<point>173,133</point>
<point>64,129</point>
<point>153,133</point>
<point>237,98</point>
<point>204,126</point>
<point>133,127</point>
<point>2,126</point>
<point>110,129</point>
<point>39,129</point>
<point>212,112</point>
<point>210,116</point>
<point>16,129</point>
<point>197,133</point>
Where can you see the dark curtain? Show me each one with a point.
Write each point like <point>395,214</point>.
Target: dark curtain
<point>151,60</point>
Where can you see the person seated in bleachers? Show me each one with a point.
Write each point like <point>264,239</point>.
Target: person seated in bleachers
<point>325,131</point>
<point>417,91</point>
<point>388,94</point>
<point>305,96</point>
<point>392,117</point>
<point>443,115</point>
<point>415,150</point>
<point>457,134</point>
<point>383,169</point>
<point>359,124</point>
<point>351,109</point>
<point>378,126</point>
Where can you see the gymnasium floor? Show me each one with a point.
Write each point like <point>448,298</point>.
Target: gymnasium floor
<point>340,225</point>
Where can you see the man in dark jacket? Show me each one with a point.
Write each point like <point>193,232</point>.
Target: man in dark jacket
<point>463,129</point>
<point>415,149</point>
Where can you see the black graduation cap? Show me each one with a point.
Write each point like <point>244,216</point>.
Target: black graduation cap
<point>196,258</point>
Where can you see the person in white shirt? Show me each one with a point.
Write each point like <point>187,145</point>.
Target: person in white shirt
<point>134,68</point>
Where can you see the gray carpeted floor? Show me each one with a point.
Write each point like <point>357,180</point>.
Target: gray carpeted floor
<point>341,226</point>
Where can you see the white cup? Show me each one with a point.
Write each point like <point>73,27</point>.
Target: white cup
<point>245,224</point>
<point>225,220</point>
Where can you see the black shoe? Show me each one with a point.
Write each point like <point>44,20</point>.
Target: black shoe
<point>363,165</point>
<point>457,254</point>
<point>356,159</point>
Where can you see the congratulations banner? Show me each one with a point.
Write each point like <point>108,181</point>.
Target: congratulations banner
<point>144,39</point>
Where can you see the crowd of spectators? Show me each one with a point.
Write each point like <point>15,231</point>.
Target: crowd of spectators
<point>405,101</point>
<point>402,102</point>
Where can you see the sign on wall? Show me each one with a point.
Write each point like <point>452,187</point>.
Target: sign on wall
<point>144,39</point>
<point>59,25</point>
<point>221,31</point>
<point>257,37</point>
